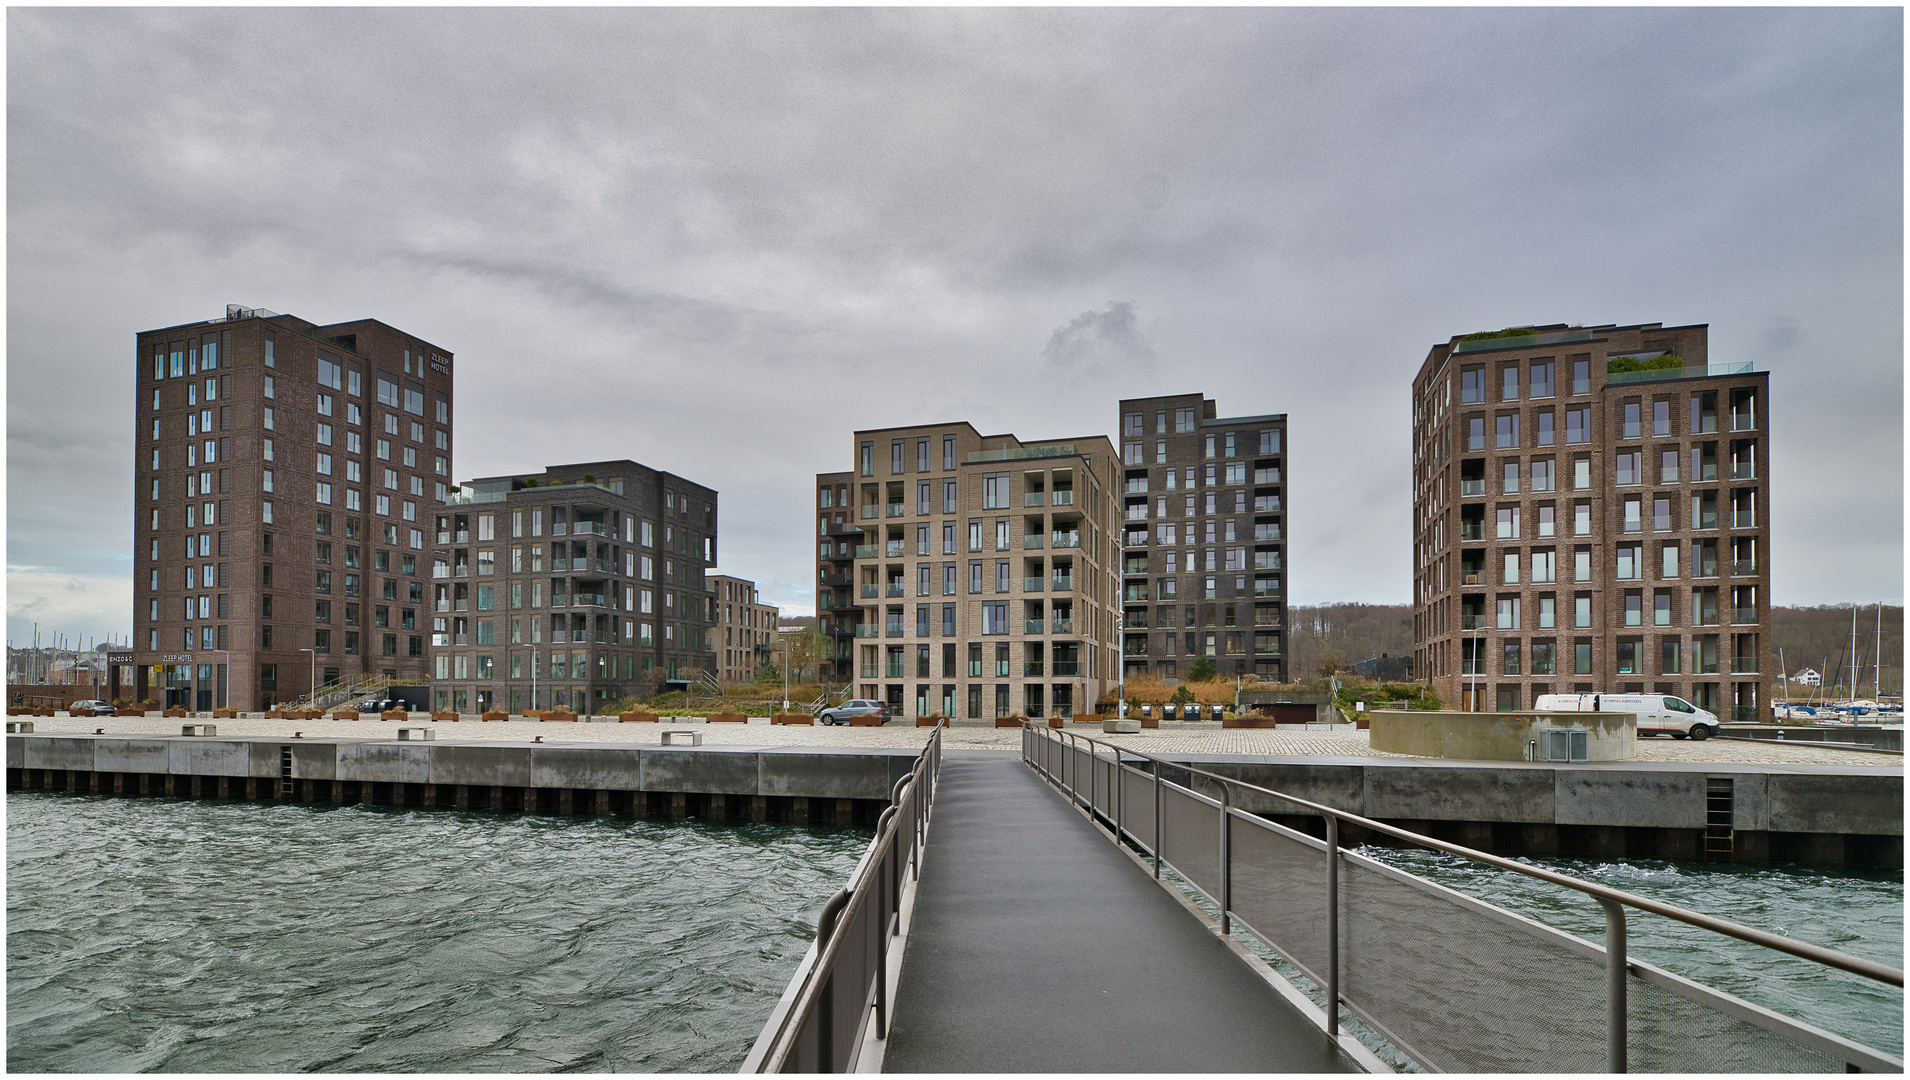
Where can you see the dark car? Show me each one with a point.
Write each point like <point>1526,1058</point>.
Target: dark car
<point>848,710</point>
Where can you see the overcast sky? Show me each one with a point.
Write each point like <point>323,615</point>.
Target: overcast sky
<point>717,241</point>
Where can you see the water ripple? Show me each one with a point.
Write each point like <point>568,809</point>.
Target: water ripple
<point>219,937</point>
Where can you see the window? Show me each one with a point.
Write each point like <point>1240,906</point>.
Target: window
<point>995,491</point>
<point>1544,570</point>
<point>1509,570</point>
<point>1548,613</point>
<point>1475,433</point>
<point>1668,561</point>
<point>1661,607</point>
<point>1183,421</point>
<point>1630,563</point>
<point>1578,425</point>
<point>1507,613</point>
<point>1547,525</point>
<point>1582,564</point>
<point>1582,609</point>
<point>1631,469</point>
<point>1472,385</point>
<point>1581,473</point>
<point>895,456</point>
<point>995,617</point>
<point>1661,418</point>
<point>866,460</point>
<point>974,576</point>
<point>1632,520</point>
<point>1507,523</point>
<point>1509,477</point>
<point>1542,378</point>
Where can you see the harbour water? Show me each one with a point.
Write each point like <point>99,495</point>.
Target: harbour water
<point>214,937</point>
<point>1853,911</point>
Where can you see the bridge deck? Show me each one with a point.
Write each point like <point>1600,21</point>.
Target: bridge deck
<point>1036,946</point>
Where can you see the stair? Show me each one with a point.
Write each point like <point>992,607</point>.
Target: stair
<point>1719,838</point>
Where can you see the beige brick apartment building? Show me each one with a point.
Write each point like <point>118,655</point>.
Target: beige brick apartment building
<point>969,575</point>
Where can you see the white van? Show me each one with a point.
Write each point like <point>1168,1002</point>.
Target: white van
<point>1657,713</point>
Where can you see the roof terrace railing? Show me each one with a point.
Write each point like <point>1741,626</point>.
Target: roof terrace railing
<point>844,982</point>
<point>1456,983</point>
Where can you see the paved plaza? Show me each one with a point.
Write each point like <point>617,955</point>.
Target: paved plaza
<point>1201,739</point>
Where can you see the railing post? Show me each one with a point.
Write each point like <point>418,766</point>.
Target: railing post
<point>1226,860</point>
<point>1120,792</point>
<point>1157,818</point>
<point>1615,966</point>
<point>1332,926</point>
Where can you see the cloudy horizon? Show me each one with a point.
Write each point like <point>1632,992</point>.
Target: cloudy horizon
<point>718,241</point>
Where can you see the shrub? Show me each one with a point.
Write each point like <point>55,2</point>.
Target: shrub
<point>1510,331</point>
<point>1666,362</point>
<point>1202,671</point>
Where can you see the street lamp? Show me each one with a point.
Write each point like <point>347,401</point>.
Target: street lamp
<point>312,694</point>
<point>1120,636</point>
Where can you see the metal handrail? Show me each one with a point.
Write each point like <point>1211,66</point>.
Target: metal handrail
<point>806,1012</point>
<point>1803,949</point>
<point>1613,901</point>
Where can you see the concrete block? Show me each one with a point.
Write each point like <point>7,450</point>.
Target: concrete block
<point>146,755</point>
<point>711,769</point>
<point>193,757</point>
<point>1750,802</point>
<point>314,760</point>
<point>16,752</point>
<point>831,775</point>
<point>1505,793</point>
<point>19,727</point>
<point>264,758</point>
<point>481,766</point>
<point>1624,797</point>
<point>51,752</point>
<point>1342,787</point>
<point>1836,803</point>
<point>384,763</point>
<point>591,769</point>
<point>682,738</point>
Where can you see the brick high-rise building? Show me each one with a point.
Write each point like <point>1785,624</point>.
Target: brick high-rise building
<point>1591,513</point>
<point>984,576</point>
<point>837,536</point>
<point>1204,562</point>
<point>576,586</point>
<point>283,477</point>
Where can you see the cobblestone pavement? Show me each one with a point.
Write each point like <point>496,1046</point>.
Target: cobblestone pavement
<point>1204,740</point>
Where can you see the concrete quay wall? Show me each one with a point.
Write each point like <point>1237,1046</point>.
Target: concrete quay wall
<point>799,784</point>
<point>1823,815</point>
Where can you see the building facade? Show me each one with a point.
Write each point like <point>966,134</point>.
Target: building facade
<point>575,587</point>
<point>283,477</point>
<point>1203,567</point>
<point>837,613</point>
<point>985,573</point>
<point>746,629</point>
<point>1591,514</point>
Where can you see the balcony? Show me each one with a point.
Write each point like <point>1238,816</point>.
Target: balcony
<point>1033,669</point>
<point>591,528</point>
<point>1065,540</point>
<point>1137,513</point>
<point>1472,622</point>
<point>1742,421</point>
<point>1743,616</point>
<point>895,549</point>
<point>1064,497</point>
<point>834,581</point>
<point>1135,594</point>
<point>589,600</point>
<point>1744,665</point>
<point>1744,568</point>
<point>896,589</point>
<point>1521,341</point>
<point>1064,584</point>
<point>869,512</point>
<point>844,529</point>
<point>1063,626</point>
<point>1743,519</point>
<point>870,592</point>
<point>866,630</point>
<point>868,671</point>
<point>842,631</point>
<point>893,671</point>
<point>866,551</point>
<point>1033,584</point>
<point>1469,579</point>
<point>893,630</point>
<point>1472,530</point>
<point>556,600</point>
<point>1136,486</point>
<point>1031,626</point>
<point>440,571</point>
<point>1744,472</point>
<point>1626,378</point>
<point>898,510</point>
<point>1472,667</point>
<point>1034,498</point>
<point>1067,668</point>
<point>1031,543</point>
<point>1266,476</point>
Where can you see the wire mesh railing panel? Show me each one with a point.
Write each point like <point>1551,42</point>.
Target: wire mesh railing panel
<point>1669,1032</point>
<point>1103,786</point>
<point>1137,806</point>
<point>1279,891</point>
<point>1463,990</point>
<point>1190,838</point>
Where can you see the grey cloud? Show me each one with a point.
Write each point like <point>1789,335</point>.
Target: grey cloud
<point>1096,344</point>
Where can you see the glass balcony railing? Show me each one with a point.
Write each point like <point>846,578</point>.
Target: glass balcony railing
<point>1626,378</point>
<point>870,512</point>
<point>898,509</point>
<point>895,549</point>
<point>590,528</point>
<point>1744,568</point>
<point>896,589</point>
<point>1471,530</point>
<point>1031,543</point>
<point>895,630</point>
<point>1066,540</point>
<point>1034,498</point>
<point>866,551</point>
<point>1472,667</point>
<point>1744,665</point>
<point>1743,616</point>
<point>893,671</point>
<point>1743,422</point>
<point>1472,622</point>
<point>1064,497</point>
<point>1033,584</point>
<point>870,592</point>
<point>1032,626</point>
<point>1743,519</point>
<point>1064,584</point>
<point>1067,668</point>
<point>1063,626</point>
<point>1744,472</point>
<point>1033,669</point>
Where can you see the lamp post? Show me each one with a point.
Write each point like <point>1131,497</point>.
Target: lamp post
<point>1120,636</point>
<point>312,694</point>
<point>785,643</point>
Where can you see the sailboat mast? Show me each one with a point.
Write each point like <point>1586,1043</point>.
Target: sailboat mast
<point>1876,661</point>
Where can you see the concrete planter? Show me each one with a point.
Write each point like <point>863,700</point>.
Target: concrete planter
<point>445,717</point>
<point>558,718</point>
<point>345,714</point>
<point>394,714</point>
<point>123,710</point>
<point>931,721</point>
<point>1007,721</point>
<point>866,721</point>
<point>225,714</point>
<point>169,713</point>
<point>637,718</point>
<point>307,714</point>
<point>799,719</point>
<point>728,718</point>
<point>495,715</point>
<point>1056,721</point>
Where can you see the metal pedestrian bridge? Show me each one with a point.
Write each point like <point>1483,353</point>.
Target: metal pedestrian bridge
<point>1087,908</point>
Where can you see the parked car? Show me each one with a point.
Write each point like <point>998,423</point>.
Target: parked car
<point>93,708</point>
<point>379,705</point>
<point>843,713</point>
<point>1658,714</point>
